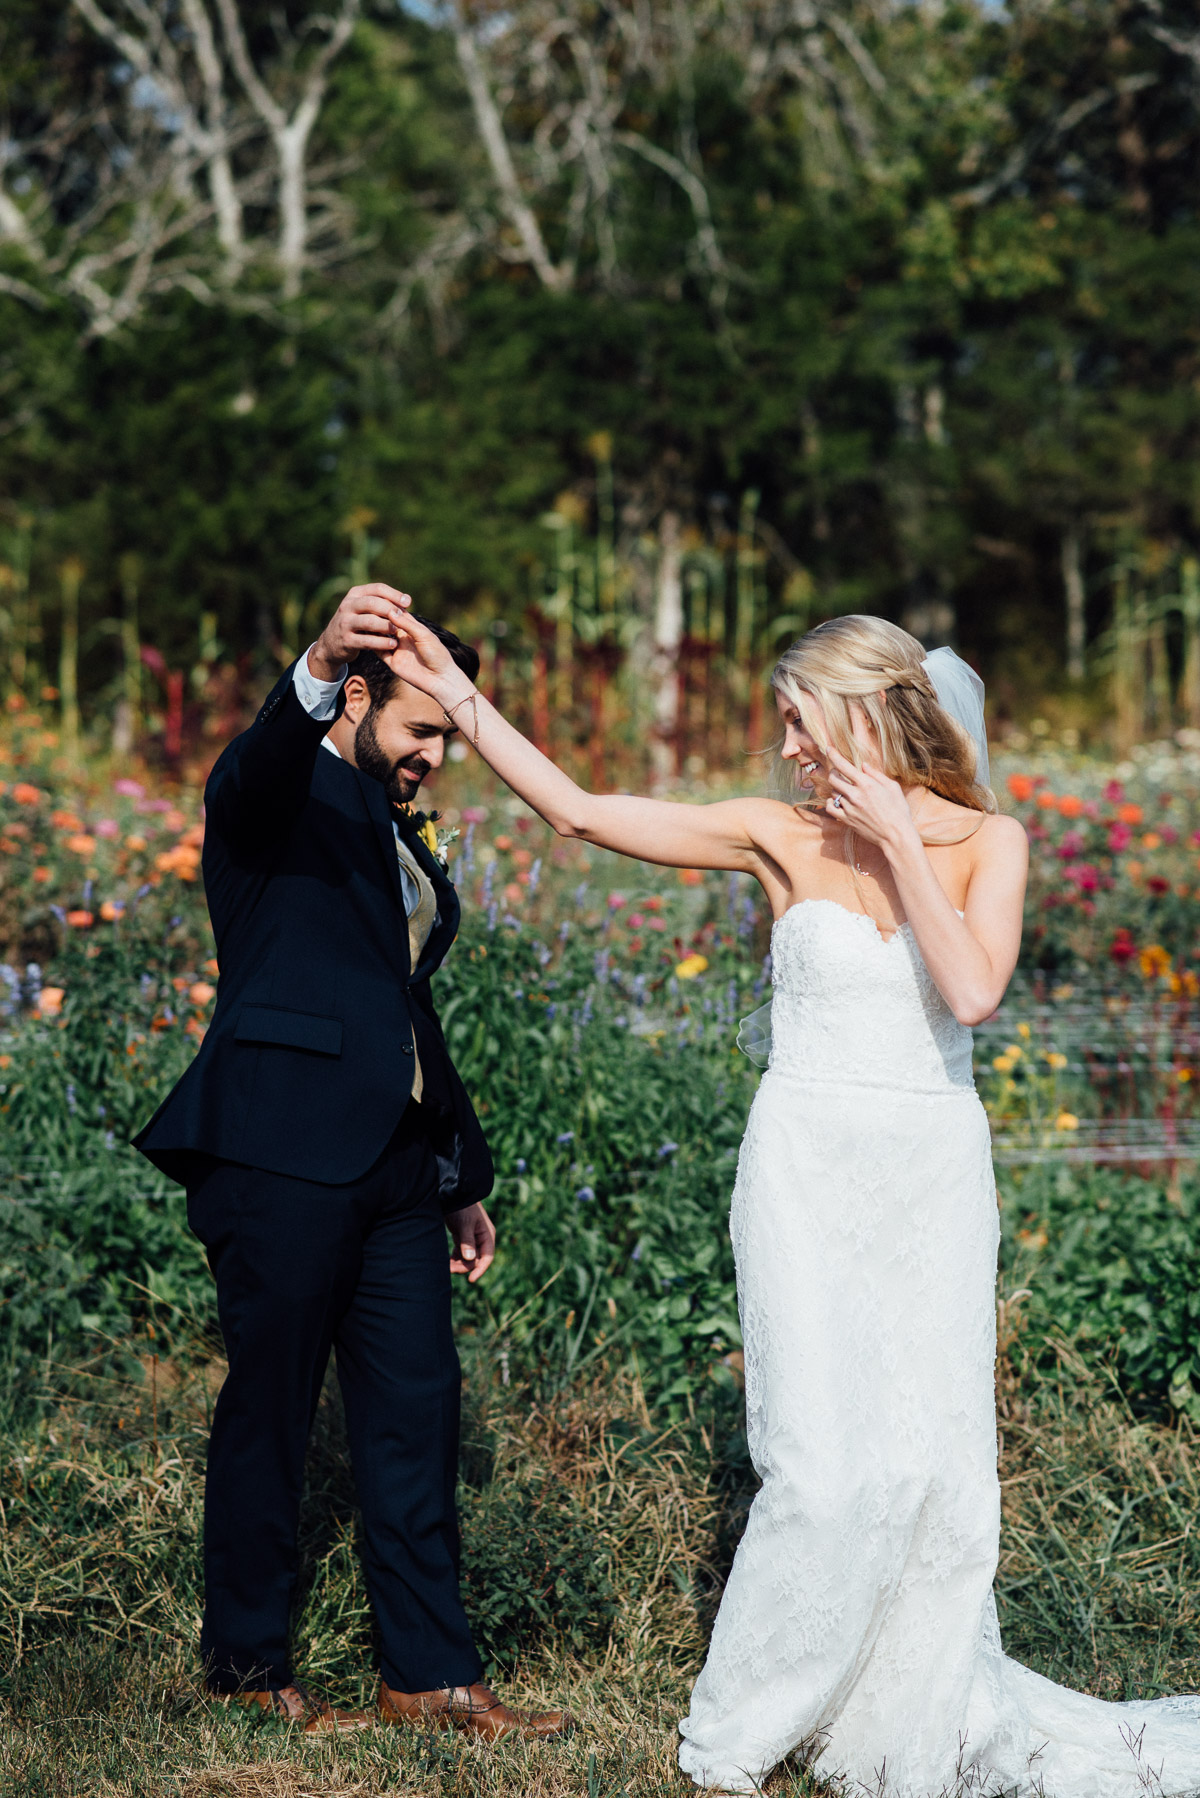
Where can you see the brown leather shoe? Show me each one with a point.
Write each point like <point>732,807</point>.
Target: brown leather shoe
<point>315,1715</point>
<point>475,1710</point>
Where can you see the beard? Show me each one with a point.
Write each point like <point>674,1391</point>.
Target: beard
<point>400,780</point>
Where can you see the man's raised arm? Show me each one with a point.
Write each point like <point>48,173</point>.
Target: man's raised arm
<point>260,784</point>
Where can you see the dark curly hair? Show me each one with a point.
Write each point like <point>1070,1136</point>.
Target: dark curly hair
<point>381,683</point>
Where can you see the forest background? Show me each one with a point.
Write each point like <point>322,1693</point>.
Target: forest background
<point>600,327</point>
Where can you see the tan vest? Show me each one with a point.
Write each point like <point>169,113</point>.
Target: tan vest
<point>420,923</point>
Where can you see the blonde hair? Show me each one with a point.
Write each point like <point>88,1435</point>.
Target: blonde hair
<point>864,663</point>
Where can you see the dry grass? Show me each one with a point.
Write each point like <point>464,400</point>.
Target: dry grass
<point>101,1497</point>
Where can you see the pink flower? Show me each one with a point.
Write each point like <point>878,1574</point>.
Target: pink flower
<point>108,827</point>
<point>1119,835</point>
<point>1114,792</point>
<point>1168,833</point>
<point>129,789</point>
<point>616,901</point>
<point>1071,845</point>
<point>636,920</point>
<point>474,814</point>
<point>1090,809</point>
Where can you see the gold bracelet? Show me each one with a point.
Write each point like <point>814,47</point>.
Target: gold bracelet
<point>473,696</point>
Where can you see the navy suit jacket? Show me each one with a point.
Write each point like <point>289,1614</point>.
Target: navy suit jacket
<point>307,1065</point>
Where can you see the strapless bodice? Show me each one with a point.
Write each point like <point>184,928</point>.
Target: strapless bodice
<point>851,1007</point>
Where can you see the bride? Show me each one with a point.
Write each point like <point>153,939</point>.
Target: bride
<point>858,1623</point>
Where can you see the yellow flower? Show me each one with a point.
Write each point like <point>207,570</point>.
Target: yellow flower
<point>1015,1050</point>
<point>690,966</point>
<point>1003,1064</point>
<point>1183,1076</point>
<point>1023,1032</point>
<point>428,836</point>
<point>1055,1059</point>
<point>1066,1120</point>
<point>1154,961</point>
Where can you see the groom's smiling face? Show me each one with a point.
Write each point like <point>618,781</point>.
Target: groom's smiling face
<point>397,743</point>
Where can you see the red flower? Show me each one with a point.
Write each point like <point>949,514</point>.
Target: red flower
<point>1123,948</point>
<point>1156,884</point>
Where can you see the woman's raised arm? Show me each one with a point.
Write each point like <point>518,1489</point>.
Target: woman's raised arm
<point>654,830</point>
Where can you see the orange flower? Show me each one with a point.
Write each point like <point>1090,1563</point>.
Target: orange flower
<point>1047,802</point>
<point>1070,805</point>
<point>81,844</point>
<point>174,820</point>
<point>194,837</point>
<point>5,1061</point>
<point>1021,787</point>
<point>80,920</point>
<point>513,894</point>
<point>135,843</point>
<point>201,993</point>
<point>111,910</point>
<point>1130,814</point>
<point>503,842</point>
<point>195,1028</point>
<point>66,821</point>
<point>183,860</point>
<point>1151,840</point>
<point>1134,870</point>
<point>50,1001</point>
<point>41,875</point>
<point>653,903</point>
<point>690,877</point>
<point>210,967</point>
<point>1154,961</point>
<point>24,794</point>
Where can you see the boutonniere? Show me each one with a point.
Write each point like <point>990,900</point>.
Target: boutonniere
<point>436,841</point>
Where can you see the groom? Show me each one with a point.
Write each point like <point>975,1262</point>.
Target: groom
<point>327,1143</point>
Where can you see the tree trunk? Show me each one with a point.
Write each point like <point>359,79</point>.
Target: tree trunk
<point>668,634</point>
<point>1073,590</point>
<point>71,576</point>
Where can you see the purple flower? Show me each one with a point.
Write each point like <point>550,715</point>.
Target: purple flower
<point>565,1136</point>
<point>522,1164</point>
<point>585,1193</point>
<point>668,1148</point>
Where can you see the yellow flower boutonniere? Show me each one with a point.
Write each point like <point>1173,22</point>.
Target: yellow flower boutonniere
<point>436,841</point>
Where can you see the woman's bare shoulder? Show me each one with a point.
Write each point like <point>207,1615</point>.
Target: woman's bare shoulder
<point>1002,831</point>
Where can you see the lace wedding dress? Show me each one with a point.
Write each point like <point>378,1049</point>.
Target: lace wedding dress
<point>858,1620</point>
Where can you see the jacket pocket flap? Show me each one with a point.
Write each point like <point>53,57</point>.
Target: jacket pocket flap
<point>290,1029</point>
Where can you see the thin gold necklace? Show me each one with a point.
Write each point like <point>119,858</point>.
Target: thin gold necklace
<point>851,851</point>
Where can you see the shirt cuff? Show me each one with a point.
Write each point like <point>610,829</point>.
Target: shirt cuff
<point>318,697</point>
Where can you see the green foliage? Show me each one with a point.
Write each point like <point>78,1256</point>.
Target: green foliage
<point>533,1566</point>
<point>1112,1262</point>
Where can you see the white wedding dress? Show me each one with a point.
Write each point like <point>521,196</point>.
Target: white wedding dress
<point>858,1621</point>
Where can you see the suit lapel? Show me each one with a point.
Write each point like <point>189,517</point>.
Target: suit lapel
<point>445,927</point>
<point>381,817</point>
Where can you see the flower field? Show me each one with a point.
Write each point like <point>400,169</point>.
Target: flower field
<point>593,1006</point>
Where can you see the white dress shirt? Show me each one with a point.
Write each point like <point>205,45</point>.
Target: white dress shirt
<point>319,699</point>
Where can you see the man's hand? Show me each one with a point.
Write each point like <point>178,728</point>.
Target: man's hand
<point>473,1235</point>
<point>368,618</point>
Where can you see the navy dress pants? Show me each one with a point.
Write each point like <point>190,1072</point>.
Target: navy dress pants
<point>364,1269</point>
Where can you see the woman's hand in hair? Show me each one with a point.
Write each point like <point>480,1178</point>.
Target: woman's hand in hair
<point>423,660</point>
<point>870,802</point>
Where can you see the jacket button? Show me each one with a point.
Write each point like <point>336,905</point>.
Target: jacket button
<point>406,1048</point>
